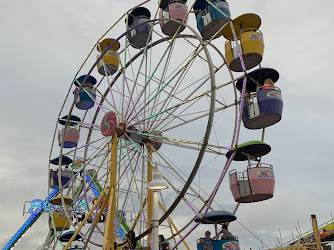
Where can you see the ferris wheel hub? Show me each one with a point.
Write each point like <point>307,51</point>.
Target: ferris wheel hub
<point>120,129</point>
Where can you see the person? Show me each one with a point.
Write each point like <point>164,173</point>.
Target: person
<point>207,242</point>
<point>163,244</point>
<point>130,237</point>
<point>268,84</point>
<point>227,235</point>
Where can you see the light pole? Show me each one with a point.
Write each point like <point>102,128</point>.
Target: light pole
<point>155,185</point>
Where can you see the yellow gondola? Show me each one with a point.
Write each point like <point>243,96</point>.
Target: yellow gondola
<point>109,63</point>
<point>250,39</point>
<point>59,217</point>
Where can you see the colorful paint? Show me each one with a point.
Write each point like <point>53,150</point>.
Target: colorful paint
<point>72,131</point>
<point>274,94</point>
<point>112,53</point>
<point>180,6</point>
<point>256,36</point>
<point>231,245</point>
<point>323,233</point>
<point>76,165</point>
<point>222,5</point>
<point>108,124</point>
<point>266,173</point>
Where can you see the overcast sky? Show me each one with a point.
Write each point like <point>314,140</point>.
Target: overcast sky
<point>43,43</point>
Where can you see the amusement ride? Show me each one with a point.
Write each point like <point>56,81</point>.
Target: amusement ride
<point>148,110</point>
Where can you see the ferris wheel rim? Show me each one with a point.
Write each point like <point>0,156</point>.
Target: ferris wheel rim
<point>211,110</point>
<point>207,134</point>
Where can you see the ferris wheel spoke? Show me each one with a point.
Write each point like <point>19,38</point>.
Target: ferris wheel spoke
<point>109,79</point>
<point>177,116</point>
<point>177,172</point>
<point>144,54</point>
<point>151,99</point>
<point>200,56</point>
<point>191,97</point>
<point>198,117</point>
<point>162,139</point>
<point>173,75</point>
<point>166,179</point>
<point>104,99</point>
<point>130,183</point>
<point>125,105</point>
<point>188,60</point>
<point>186,101</point>
<point>174,89</point>
<point>164,72</point>
<point>123,100</point>
<point>174,107</point>
<point>129,112</point>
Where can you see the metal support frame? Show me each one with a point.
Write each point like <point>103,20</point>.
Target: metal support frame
<point>109,233</point>
<point>316,232</point>
<point>149,193</point>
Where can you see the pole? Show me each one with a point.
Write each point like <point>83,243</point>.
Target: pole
<point>155,220</point>
<point>149,193</point>
<point>108,241</point>
<point>315,231</point>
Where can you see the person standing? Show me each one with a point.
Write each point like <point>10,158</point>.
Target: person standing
<point>227,235</point>
<point>207,242</point>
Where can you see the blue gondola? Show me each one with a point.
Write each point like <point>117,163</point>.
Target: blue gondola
<point>211,17</point>
<point>138,19</point>
<point>219,217</point>
<point>263,105</point>
<point>66,175</point>
<point>86,96</point>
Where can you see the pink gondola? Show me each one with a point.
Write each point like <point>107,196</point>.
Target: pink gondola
<point>171,10</point>
<point>254,184</point>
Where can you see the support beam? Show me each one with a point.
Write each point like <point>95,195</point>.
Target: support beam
<point>138,215</point>
<point>97,218</point>
<point>316,232</point>
<point>109,232</point>
<point>149,193</point>
<point>85,219</point>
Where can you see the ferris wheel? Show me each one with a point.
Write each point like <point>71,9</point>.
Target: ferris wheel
<point>136,127</point>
